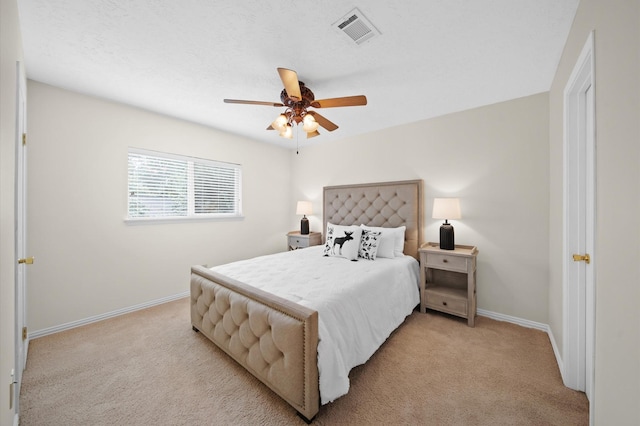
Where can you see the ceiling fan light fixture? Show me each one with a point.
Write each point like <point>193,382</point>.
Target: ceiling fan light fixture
<point>287,132</point>
<point>280,122</point>
<point>309,124</point>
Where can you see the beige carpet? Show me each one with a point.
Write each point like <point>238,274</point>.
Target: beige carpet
<point>150,368</point>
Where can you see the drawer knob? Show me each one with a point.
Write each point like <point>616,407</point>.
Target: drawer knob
<point>444,303</point>
<point>445,260</point>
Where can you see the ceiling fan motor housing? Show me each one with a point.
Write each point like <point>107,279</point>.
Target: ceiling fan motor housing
<point>307,97</point>
<point>299,108</point>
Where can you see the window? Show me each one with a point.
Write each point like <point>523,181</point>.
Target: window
<point>167,186</point>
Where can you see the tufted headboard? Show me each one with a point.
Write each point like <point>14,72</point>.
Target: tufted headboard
<point>387,204</point>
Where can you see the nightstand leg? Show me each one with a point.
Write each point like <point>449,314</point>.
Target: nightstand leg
<point>423,301</point>
<point>471,297</point>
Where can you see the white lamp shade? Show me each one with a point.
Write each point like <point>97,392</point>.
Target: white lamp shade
<point>304,208</point>
<point>446,208</point>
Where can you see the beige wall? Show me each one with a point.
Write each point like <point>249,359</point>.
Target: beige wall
<point>10,53</point>
<point>89,262</point>
<point>494,158</point>
<point>617,98</point>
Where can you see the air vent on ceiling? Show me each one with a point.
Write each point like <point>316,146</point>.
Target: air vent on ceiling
<point>356,26</point>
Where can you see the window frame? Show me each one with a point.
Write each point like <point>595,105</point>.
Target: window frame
<point>191,214</point>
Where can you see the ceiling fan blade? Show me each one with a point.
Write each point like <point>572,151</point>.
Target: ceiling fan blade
<point>313,134</point>
<point>340,102</point>
<point>291,84</point>
<point>238,101</point>
<point>323,121</point>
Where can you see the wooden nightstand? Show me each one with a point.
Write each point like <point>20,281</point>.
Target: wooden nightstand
<point>448,280</point>
<point>295,240</point>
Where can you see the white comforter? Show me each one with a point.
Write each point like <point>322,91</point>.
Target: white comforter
<point>359,303</point>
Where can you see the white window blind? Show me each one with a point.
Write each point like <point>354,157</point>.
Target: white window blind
<point>165,186</point>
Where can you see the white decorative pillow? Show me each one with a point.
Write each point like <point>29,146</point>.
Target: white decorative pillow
<point>391,240</point>
<point>342,241</point>
<point>398,240</point>
<point>369,244</point>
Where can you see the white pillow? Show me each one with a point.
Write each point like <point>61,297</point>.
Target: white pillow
<point>398,248</point>
<point>342,241</point>
<point>391,242</point>
<point>369,244</point>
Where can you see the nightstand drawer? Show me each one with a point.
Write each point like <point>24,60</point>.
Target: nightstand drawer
<point>448,300</point>
<point>447,262</point>
<point>298,242</point>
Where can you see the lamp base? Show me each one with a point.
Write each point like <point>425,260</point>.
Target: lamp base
<point>304,226</point>
<point>447,237</point>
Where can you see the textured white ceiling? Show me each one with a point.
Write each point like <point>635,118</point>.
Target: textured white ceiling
<point>182,58</point>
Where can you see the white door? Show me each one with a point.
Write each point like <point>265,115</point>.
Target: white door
<point>22,341</point>
<point>579,225</point>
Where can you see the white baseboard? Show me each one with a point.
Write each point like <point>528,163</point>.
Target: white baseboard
<point>529,324</point>
<point>556,352</point>
<point>489,314</point>
<point>74,324</point>
<point>514,320</point>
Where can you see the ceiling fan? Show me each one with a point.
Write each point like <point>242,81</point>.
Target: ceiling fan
<point>298,98</point>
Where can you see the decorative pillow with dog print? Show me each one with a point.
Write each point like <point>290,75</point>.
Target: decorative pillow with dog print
<point>342,241</point>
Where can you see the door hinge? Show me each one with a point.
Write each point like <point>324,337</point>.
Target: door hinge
<point>24,139</point>
<point>24,333</point>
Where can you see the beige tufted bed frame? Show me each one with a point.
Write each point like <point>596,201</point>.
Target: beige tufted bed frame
<point>275,339</point>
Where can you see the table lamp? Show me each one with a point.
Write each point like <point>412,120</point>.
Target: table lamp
<point>304,208</point>
<point>446,208</point>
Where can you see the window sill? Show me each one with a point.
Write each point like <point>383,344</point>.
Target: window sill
<point>180,219</point>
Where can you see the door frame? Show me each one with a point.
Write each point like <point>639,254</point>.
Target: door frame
<point>579,224</point>
<point>21,344</point>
